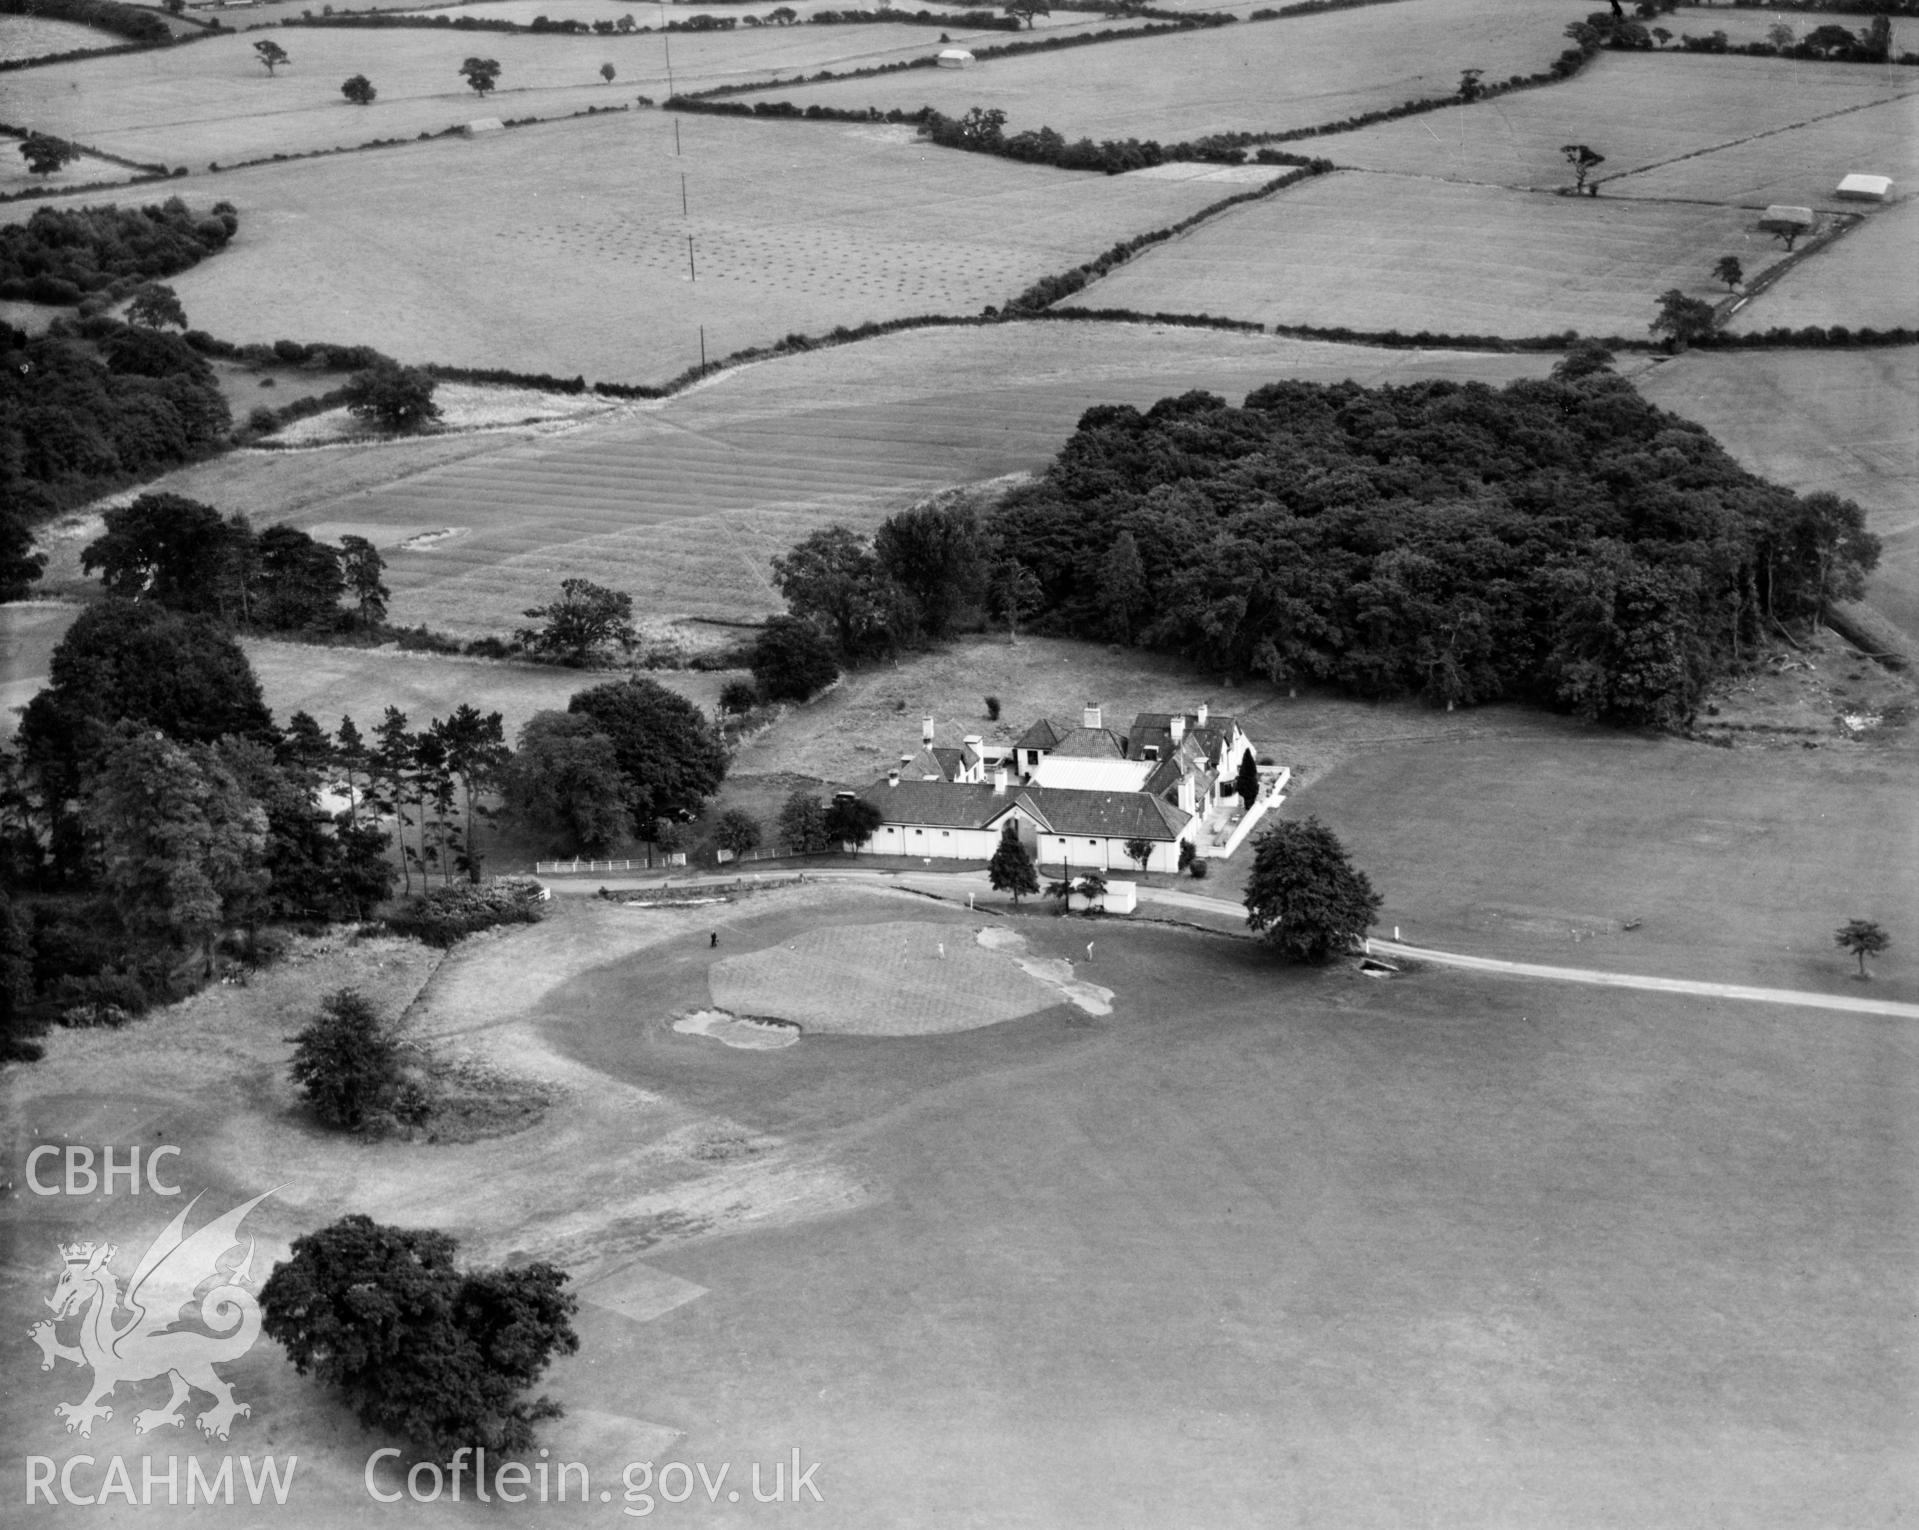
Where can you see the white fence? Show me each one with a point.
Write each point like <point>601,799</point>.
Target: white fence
<point>590,868</point>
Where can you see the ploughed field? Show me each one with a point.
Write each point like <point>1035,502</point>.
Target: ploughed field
<point>1408,253</point>
<point>684,502</point>
<point>564,248</point>
<point>1296,72</point>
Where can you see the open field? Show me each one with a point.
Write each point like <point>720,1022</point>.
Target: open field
<point>88,169</point>
<point>1835,420</point>
<point>1799,166</point>
<point>1866,280</point>
<point>33,36</point>
<point>1642,112</point>
<point>682,502</point>
<point>213,102</point>
<point>1267,76</point>
<point>794,228</point>
<point>1741,863</point>
<point>1412,254</point>
<point>1534,1254</point>
<point>645,13</point>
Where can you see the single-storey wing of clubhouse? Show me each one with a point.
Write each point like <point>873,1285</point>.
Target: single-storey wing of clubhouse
<point>1059,825</point>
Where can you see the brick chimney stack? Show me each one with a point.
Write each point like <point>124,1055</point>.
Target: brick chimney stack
<point>1090,717</point>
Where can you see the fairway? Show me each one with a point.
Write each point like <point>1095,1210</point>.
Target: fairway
<point>1639,112</point>
<point>683,503</point>
<point>1263,77</point>
<point>1841,421</point>
<point>1398,252</point>
<point>1738,864</point>
<point>793,227</point>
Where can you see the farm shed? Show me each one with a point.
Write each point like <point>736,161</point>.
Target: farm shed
<point>481,125</point>
<point>1786,220</point>
<point>1864,188</point>
<point>954,58</point>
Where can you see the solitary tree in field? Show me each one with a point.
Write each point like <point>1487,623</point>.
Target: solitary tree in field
<point>607,71</point>
<point>783,15</point>
<point>1729,271</point>
<point>1830,39</point>
<point>415,1345</point>
<point>1584,161</point>
<point>626,23</point>
<point>154,306</point>
<point>271,54</point>
<point>1863,938</point>
<point>586,620</point>
<point>1470,88</point>
<point>359,90</point>
<point>1682,319</point>
<point>1780,35</point>
<point>45,154</point>
<point>1305,895</point>
<point>1026,10</point>
<point>482,74</point>
<point>345,1063</point>
<point>1011,868</point>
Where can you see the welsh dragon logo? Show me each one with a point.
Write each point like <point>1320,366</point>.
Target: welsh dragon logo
<point>149,1344</point>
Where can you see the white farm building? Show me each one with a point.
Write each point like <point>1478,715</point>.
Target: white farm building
<point>1075,796</point>
<point>954,58</point>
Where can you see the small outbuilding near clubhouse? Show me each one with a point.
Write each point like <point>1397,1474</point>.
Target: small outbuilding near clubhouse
<point>954,58</point>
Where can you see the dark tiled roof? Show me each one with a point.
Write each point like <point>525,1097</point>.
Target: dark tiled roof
<point>1042,735</point>
<point>1091,744</point>
<point>951,760</point>
<point>1156,729</point>
<point>939,804</point>
<point>1059,810</point>
<point>1104,815</point>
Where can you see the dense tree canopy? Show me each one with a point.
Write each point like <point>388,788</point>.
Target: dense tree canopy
<point>1303,893</point>
<point>1559,541</point>
<point>413,1344</point>
<point>181,674</point>
<point>61,252</point>
<point>565,781</point>
<point>585,623</point>
<point>791,661</point>
<point>667,751</point>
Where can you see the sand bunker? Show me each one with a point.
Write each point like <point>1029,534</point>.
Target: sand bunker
<point>898,979</point>
<point>737,1031</point>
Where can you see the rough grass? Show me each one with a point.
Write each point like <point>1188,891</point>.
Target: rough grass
<point>1835,420</point>
<point>1640,112</point>
<point>1266,77</point>
<point>1407,253</point>
<point>33,36</point>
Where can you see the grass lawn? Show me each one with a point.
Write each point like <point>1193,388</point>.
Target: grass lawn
<point>682,503</point>
<point>1835,420</point>
<point>214,102</point>
<point>1741,864</point>
<point>1411,254</point>
<point>794,227</point>
<point>1293,73</point>
<point>1640,112</point>
<point>1263,1246</point>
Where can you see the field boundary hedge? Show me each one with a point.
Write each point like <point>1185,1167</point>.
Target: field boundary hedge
<point>380,20</point>
<point>456,130</point>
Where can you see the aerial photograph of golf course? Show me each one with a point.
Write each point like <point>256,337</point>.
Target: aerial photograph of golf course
<point>1038,764</point>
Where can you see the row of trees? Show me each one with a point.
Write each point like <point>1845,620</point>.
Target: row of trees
<point>179,553</point>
